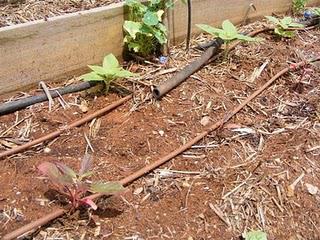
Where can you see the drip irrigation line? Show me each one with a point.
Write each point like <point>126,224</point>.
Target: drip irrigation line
<point>189,25</point>
<point>177,79</point>
<point>126,181</point>
<point>10,107</point>
<point>65,128</point>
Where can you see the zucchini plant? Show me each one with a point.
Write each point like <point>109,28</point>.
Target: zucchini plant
<point>108,72</point>
<point>228,33</point>
<point>144,31</point>
<point>282,26</point>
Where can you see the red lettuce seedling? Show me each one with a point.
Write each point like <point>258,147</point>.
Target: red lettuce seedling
<point>73,185</point>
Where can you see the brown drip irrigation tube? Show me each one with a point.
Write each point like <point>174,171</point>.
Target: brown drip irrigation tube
<point>152,166</point>
<point>68,127</point>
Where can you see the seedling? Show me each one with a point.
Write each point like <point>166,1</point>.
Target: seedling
<point>145,32</point>
<point>282,26</point>
<point>108,72</point>
<point>74,185</point>
<point>299,5</point>
<point>228,33</point>
<point>255,235</point>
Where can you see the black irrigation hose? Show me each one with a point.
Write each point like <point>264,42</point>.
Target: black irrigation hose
<point>13,106</point>
<point>181,76</point>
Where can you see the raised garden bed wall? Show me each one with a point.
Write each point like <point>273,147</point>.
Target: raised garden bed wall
<point>60,47</point>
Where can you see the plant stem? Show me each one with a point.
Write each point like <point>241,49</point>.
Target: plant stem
<point>226,51</point>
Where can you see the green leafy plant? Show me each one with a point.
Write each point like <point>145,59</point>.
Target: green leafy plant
<point>74,185</point>
<point>316,11</point>
<point>108,72</point>
<point>282,26</point>
<point>144,30</point>
<point>255,235</point>
<point>228,33</point>
<point>299,5</point>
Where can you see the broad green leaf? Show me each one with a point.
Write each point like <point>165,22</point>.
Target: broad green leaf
<point>286,20</point>
<point>227,37</point>
<point>159,14</point>
<point>284,33</point>
<point>316,11</point>
<point>273,20</point>
<point>255,235</point>
<point>112,71</point>
<point>155,1</point>
<point>229,28</point>
<point>162,28</point>
<point>150,18</point>
<point>97,69</point>
<point>247,38</point>
<point>134,46</point>
<point>296,25</point>
<point>106,187</point>
<point>125,74</point>
<point>132,28</point>
<point>110,61</point>
<point>92,77</point>
<point>170,4</point>
<point>133,3</point>
<point>211,30</point>
<point>162,39</point>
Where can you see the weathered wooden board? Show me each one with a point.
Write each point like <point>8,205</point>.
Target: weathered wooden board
<point>213,12</point>
<point>57,48</point>
<point>62,46</point>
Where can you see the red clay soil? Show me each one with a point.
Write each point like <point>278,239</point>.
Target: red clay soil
<point>235,180</point>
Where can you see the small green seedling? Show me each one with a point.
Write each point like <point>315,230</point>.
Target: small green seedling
<point>228,33</point>
<point>255,235</point>
<point>299,5</point>
<point>282,26</point>
<point>108,72</point>
<point>74,185</point>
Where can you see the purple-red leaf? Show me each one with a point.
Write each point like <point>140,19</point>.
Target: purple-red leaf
<point>85,165</point>
<point>89,202</point>
<point>106,187</point>
<point>51,171</point>
<point>65,170</point>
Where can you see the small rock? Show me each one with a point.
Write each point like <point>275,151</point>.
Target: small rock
<point>161,132</point>
<point>138,190</point>
<point>47,150</point>
<point>205,121</point>
<point>313,190</point>
<point>84,106</point>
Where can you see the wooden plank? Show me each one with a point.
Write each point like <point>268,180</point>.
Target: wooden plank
<point>62,46</point>
<point>213,12</point>
<point>57,48</point>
